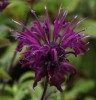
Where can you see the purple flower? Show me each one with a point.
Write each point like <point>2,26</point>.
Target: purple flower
<point>3,4</point>
<point>46,51</point>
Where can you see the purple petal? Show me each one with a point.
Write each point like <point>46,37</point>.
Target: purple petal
<point>78,23</point>
<point>40,28</point>
<point>38,75</point>
<point>20,46</point>
<point>58,24</point>
<point>57,80</point>
<point>69,67</point>
<point>47,24</point>
<point>55,56</point>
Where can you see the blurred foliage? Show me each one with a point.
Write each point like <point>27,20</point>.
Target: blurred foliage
<point>19,82</point>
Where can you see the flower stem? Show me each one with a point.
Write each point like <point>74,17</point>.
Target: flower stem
<point>45,88</point>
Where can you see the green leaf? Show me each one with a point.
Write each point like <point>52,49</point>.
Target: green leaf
<point>4,18</point>
<point>5,97</point>
<point>4,43</point>
<point>6,58</point>
<point>9,52</point>
<point>39,7</point>
<point>17,9</point>
<point>66,4</point>
<point>26,75</point>
<point>15,88</point>
<point>91,27</point>
<point>4,74</point>
<point>3,31</point>
<point>7,88</point>
<point>89,98</point>
<point>88,63</point>
<point>26,84</point>
<point>70,5</point>
<point>37,92</point>
<point>20,94</point>
<point>81,86</point>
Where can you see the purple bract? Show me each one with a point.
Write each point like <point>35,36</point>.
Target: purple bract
<point>46,51</point>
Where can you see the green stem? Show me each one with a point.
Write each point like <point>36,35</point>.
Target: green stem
<point>45,88</point>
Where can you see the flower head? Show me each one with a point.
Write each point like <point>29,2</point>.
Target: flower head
<point>46,51</point>
<point>3,4</point>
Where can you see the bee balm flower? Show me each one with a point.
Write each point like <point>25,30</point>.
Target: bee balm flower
<point>47,51</point>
